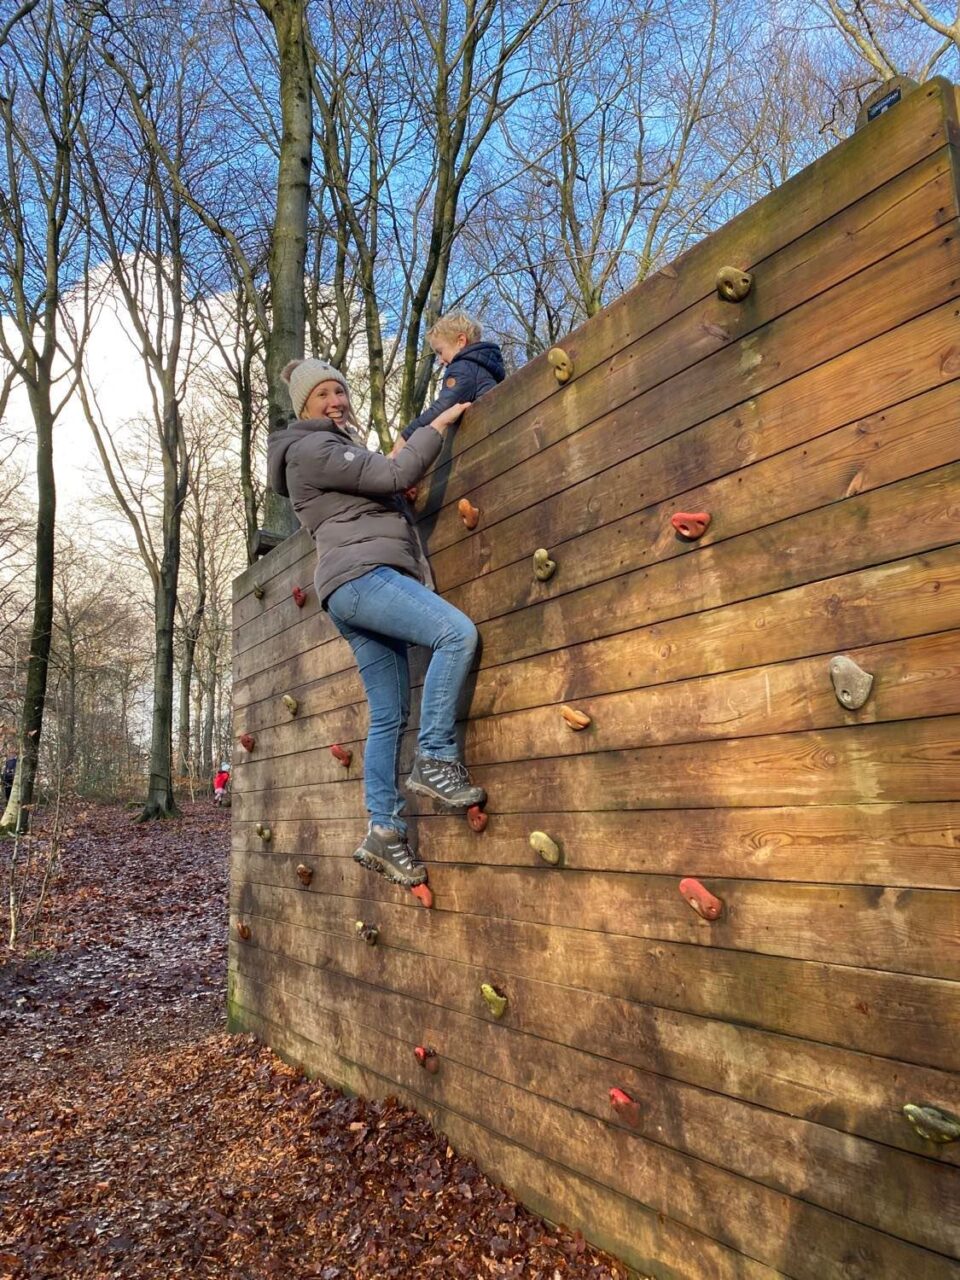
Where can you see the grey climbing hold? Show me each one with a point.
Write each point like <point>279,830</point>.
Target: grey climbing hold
<point>733,285</point>
<point>932,1123</point>
<point>258,591</point>
<point>851,683</point>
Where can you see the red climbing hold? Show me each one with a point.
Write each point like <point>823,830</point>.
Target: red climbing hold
<point>477,818</point>
<point>691,525</point>
<point>427,1059</point>
<point>247,741</point>
<point>343,754</point>
<point>411,493</point>
<point>299,597</point>
<point>700,898</point>
<point>423,894</point>
<point>624,1106</point>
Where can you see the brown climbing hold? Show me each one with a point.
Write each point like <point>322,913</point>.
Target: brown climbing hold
<point>469,514</point>
<point>247,741</point>
<point>304,874</point>
<point>561,363</point>
<point>496,1001</point>
<point>624,1106</point>
<point>851,683</point>
<point>690,525</point>
<point>243,930</point>
<point>258,591</point>
<point>368,932</point>
<point>575,719</point>
<point>265,834</point>
<point>299,597</point>
<point>733,284</point>
<point>543,567</point>
<point>700,898</point>
<point>290,702</point>
<point>548,849</point>
<point>477,818</point>
<point>343,754</point>
<point>427,1058</point>
<point>423,894</point>
<point>933,1124</point>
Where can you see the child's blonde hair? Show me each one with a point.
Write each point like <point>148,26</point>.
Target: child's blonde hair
<point>453,324</point>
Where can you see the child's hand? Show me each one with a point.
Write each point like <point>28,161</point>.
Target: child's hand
<point>449,416</point>
<point>397,446</point>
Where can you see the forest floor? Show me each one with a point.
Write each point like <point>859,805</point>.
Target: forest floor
<point>138,1139</point>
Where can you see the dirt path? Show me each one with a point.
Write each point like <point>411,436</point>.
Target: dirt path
<point>137,1139</point>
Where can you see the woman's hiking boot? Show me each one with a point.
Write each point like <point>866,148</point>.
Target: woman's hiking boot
<point>386,851</point>
<point>445,781</point>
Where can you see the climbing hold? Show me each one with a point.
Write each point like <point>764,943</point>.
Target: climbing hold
<point>690,525</point>
<point>496,1000</point>
<point>851,683</point>
<point>343,754</point>
<point>258,591</point>
<point>368,932</point>
<point>624,1106</point>
<point>427,1058</point>
<point>290,702</point>
<point>543,567</point>
<point>548,849</point>
<point>932,1123</point>
<point>477,818</point>
<point>411,493</point>
<point>265,834</point>
<point>424,895</point>
<point>575,719</point>
<point>469,514</point>
<point>700,898</point>
<point>304,874</point>
<point>299,597</point>
<point>247,741</point>
<point>243,930</point>
<point>733,285</point>
<point>562,364</point>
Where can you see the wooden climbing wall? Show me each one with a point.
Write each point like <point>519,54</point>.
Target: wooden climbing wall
<point>767,1054</point>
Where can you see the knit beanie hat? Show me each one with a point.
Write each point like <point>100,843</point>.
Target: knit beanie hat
<point>303,375</point>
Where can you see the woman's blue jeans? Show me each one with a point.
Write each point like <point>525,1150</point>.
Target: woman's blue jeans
<point>379,615</point>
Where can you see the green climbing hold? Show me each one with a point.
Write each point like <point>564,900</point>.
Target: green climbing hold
<point>932,1123</point>
<point>496,1003</point>
<point>548,849</point>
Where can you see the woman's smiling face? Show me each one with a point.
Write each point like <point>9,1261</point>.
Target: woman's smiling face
<point>328,399</point>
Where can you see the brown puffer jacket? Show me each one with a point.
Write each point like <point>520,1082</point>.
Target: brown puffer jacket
<point>350,498</point>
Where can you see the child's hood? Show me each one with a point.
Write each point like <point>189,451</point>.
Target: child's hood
<point>486,354</point>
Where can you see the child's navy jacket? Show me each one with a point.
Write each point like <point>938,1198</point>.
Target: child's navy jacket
<point>474,370</point>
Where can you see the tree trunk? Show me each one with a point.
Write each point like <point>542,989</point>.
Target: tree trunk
<point>288,248</point>
<point>191,634</point>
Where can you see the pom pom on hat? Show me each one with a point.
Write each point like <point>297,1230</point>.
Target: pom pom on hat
<point>303,375</point>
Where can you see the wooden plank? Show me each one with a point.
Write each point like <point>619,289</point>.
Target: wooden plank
<point>903,1194</point>
<point>842,176</point>
<point>913,678</point>
<point>858,458</point>
<point>736,1211</point>
<point>889,1015</point>
<point>911,761</point>
<point>853,1092</point>
<point>916,279</point>
<point>862,236</point>
<point>897,845</point>
<point>650,1242</point>
<point>912,931</point>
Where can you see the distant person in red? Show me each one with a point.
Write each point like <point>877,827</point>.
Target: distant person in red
<point>220,783</point>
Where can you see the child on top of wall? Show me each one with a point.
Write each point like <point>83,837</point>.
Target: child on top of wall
<point>472,367</point>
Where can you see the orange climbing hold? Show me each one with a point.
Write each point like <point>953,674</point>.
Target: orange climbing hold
<point>247,741</point>
<point>577,720</point>
<point>477,818</point>
<point>299,597</point>
<point>243,930</point>
<point>700,898</point>
<point>423,894</point>
<point>343,754</point>
<point>469,514</point>
<point>427,1058</point>
<point>690,525</point>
